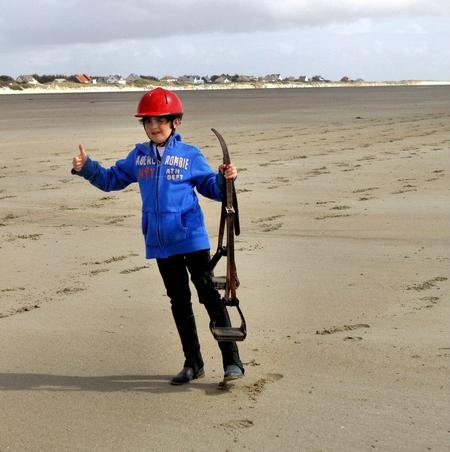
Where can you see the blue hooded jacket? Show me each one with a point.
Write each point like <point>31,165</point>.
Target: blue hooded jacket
<point>172,220</point>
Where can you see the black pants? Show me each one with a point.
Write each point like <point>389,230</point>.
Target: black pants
<point>174,271</point>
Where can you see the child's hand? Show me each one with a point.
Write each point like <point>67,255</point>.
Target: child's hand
<point>229,171</point>
<point>79,161</point>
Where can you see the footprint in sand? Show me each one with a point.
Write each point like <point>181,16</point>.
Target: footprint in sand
<point>25,237</point>
<point>340,208</point>
<point>321,203</point>
<point>26,308</point>
<point>267,224</point>
<point>337,215</point>
<point>243,190</point>
<point>69,290</point>
<point>134,269</point>
<point>365,193</point>
<point>426,285</point>
<point>9,216</point>
<point>340,329</point>
<point>98,271</point>
<point>298,157</point>
<point>237,424</point>
<point>64,207</point>
<point>101,201</point>
<point>255,390</point>
<point>49,187</point>
<point>405,189</point>
<point>248,246</point>
<point>111,259</point>
<point>364,190</point>
<point>429,302</point>
<point>283,180</point>
<point>119,219</point>
<point>318,171</point>
<point>7,197</point>
<point>436,175</point>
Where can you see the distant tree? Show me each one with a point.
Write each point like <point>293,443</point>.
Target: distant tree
<point>149,77</point>
<point>38,78</point>
<point>47,78</point>
<point>214,77</point>
<point>234,78</point>
<point>6,79</point>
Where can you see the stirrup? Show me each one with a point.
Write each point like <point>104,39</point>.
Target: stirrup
<point>230,217</point>
<point>229,333</point>
<point>220,283</point>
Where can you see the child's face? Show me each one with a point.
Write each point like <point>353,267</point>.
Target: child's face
<point>158,128</point>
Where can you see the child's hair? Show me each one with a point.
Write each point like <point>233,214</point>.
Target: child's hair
<point>170,118</point>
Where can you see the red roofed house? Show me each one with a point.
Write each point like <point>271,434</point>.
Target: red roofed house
<point>83,78</point>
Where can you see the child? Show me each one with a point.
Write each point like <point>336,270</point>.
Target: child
<point>167,171</point>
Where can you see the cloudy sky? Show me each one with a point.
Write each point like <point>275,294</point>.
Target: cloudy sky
<point>369,39</point>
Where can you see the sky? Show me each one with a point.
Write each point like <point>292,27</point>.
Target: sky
<point>368,39</point>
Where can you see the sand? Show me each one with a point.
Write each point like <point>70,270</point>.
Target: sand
<point>343,261</point>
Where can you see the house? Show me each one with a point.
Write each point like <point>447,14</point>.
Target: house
<point>132,78</point>
<point>116,79</point>
<point>27,79</point>
<point>168,79</point>
<point>319,78</point>
<point>194,79</point>
<point>222,79</point>
<point>271,78</point>
<point>83,78</point>
<point>245,78</point>
<point>303,78</point>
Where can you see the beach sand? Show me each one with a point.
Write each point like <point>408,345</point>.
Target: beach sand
<point>343,261</point>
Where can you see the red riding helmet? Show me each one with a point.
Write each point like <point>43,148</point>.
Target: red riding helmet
<point>159,102</point>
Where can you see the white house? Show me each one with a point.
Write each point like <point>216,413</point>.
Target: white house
<point>27,79</point>
<point>168,79</point>
<point>194,79</point>
<point>132,78</point>
<point>271,78</point>
<point>116,79</point>
<point>222,79</point>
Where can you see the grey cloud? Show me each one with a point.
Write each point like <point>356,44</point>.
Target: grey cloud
<point>53,22</point>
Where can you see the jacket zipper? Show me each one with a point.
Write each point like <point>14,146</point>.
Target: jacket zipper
<point>158,235</point>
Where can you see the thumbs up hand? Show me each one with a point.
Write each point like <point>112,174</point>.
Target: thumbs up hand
<point>79,161</point>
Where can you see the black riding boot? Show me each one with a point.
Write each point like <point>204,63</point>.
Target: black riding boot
<point>187,330</point>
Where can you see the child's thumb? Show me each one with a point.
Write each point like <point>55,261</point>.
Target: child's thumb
<point>82,151</point>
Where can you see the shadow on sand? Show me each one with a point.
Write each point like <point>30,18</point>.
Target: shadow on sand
<point>107,383</point>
